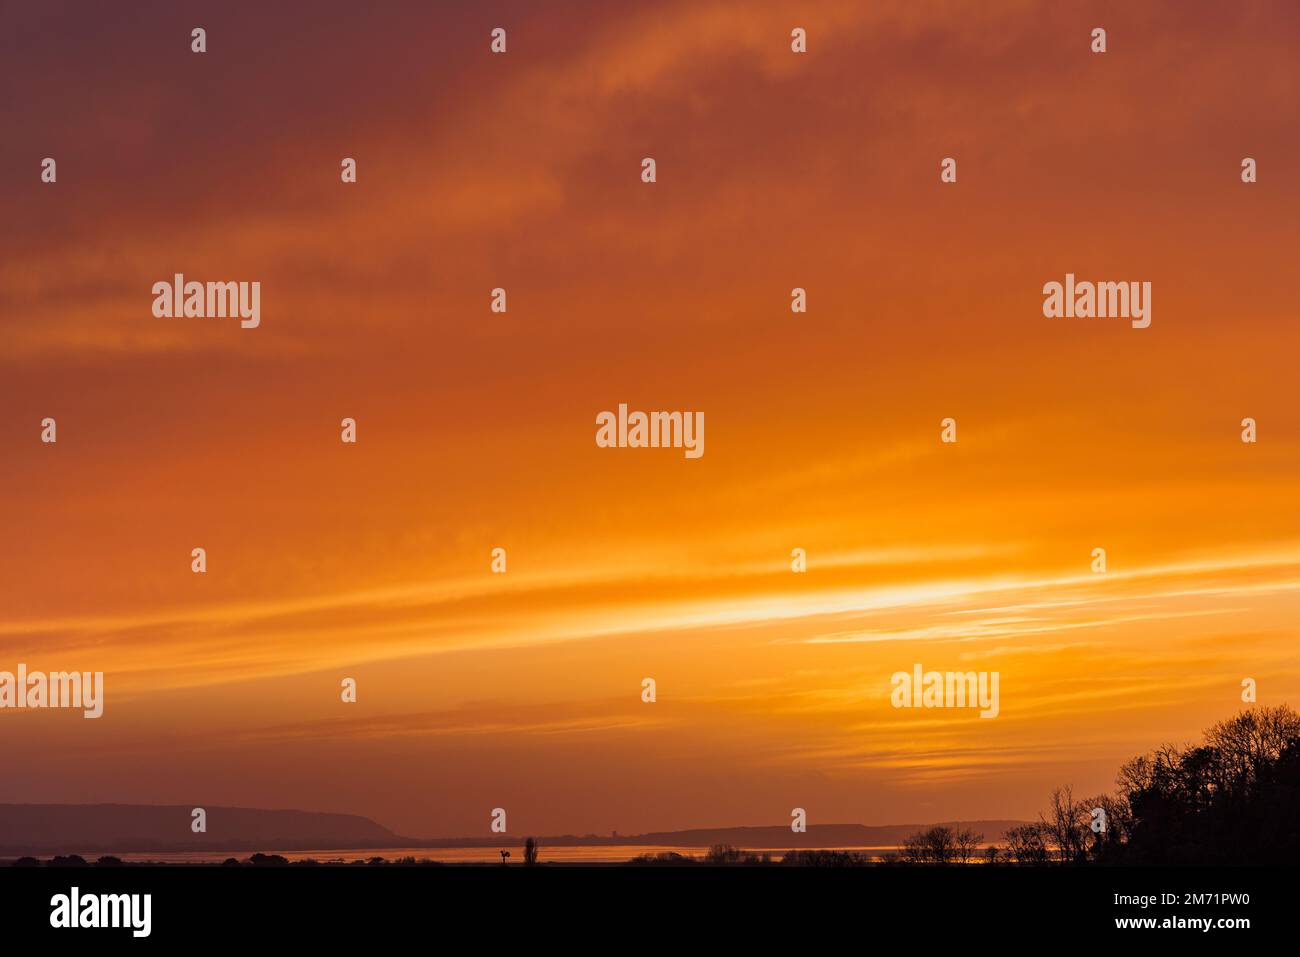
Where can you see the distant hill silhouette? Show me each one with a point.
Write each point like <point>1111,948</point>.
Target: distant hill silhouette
<point>45,829</point>
<point>136,828</point>
<point>1232,799</point>
<point>817,835</point>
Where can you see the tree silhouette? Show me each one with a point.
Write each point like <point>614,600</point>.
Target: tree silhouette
<point>941,845</point>
<point>1233,799</point>
<point>1026,844</point>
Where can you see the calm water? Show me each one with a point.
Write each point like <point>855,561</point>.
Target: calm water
<point>609,853</point>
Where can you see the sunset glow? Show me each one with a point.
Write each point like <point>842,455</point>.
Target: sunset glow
<point>476,430</point>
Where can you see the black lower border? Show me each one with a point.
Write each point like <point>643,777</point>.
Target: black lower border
<point>949,907</point>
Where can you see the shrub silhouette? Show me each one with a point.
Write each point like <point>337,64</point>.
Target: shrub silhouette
<point>663,857</point>
<point>268,860</point>
<point>826,859</point>
<point>726,854</point>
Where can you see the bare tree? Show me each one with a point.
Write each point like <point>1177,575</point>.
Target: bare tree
<point>1027,844</point>
<point>936,845</point>
<point>965,843</point>
<point>913,849</point>
<point>1247,741</point>
<point>1067,826</point>
<point>1111,828</point>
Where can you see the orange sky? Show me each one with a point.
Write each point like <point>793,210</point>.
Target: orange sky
<point>477,430</point>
